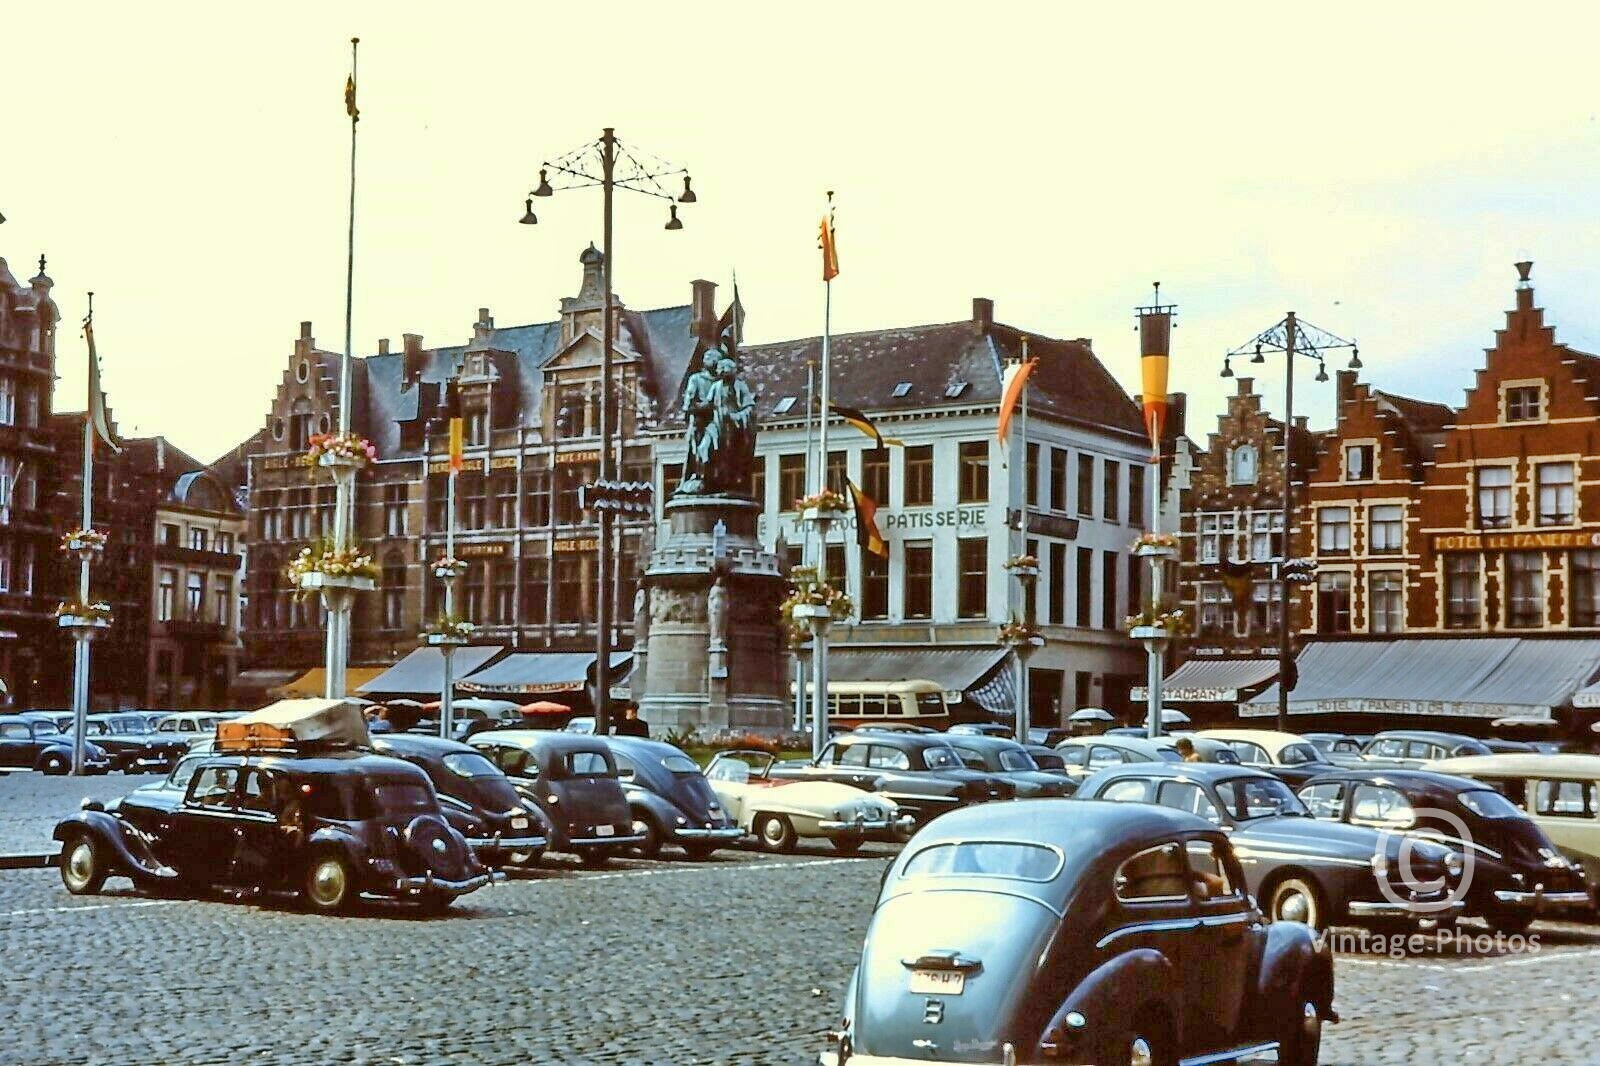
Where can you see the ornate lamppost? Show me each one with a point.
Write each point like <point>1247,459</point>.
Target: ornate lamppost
<point>1291,337</point>
<point>597,163</point>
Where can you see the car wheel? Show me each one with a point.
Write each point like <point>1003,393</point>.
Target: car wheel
<point>775,834</point>
<point>846,845</point>
<point>595,858</point>
<point>1509,922</point>
<point>54,764</point>
<point>1296,899</point>
<point>330,884</point>
<point>83,869</point>
<point>650,846</point>
<point>526,860</point>
<point>1302,1043</point>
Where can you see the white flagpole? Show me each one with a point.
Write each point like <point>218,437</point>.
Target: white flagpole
<point>80,651</point>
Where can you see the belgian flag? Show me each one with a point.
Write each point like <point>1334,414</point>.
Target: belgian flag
<point>864,424</point>
<point>866,509</point>
<point>452,412</point>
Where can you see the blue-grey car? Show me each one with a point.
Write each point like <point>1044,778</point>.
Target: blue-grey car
<point>671,800</point>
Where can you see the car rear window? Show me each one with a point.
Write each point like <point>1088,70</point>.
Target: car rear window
<point>587,764</point>
<point>940,758</point>
<point>1014,759</point>
<point>469,764</point>
<point>1487,803</point>
<point>680,764</point>
<point>1295,754</point>
<point>985,858</point>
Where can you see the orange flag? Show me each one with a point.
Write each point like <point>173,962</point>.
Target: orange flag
<point>1016,379</point>
<point>825,241</point>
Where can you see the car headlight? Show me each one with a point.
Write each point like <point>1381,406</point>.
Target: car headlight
<point>1453,864</point>
<point>682,820</point>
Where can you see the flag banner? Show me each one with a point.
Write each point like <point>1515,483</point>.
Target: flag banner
<point>1155,334</point>
<point>350,99</point>
<point>97,396</point>
<point>865,425</point>
<point>452,411</point>
<point>830,249</point>
<point>1013,382</point>
<point>866,508</point>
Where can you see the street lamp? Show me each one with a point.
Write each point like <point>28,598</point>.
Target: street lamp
<point>1291,337</point>
<point>597,163</point>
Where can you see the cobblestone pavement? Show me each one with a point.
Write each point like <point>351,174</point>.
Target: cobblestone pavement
<point>32,803</point>
<point>739,960</point>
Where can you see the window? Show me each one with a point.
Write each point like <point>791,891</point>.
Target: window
<point>1154,875</point>
<point>835,568</point>
<point>1266,535</point>
<point>1522,403</point>
<point>1243,465</point>
<point>874,586</point>
<point>838,467</point>
<point>224,542</point>
<point>1333,603</point>
<point>1555,494</point>
<point>758,481</point>
<point>503,593</point>
<point>1185,796</point>
<point>791,479</point>
<point>587,764</point>
<point>671,478</point>
<point>167,596</point>
<point>1525,590</point>
<point>1112,488</point>
<point>1058,584</point>
<point>538,512</point>
<point>1085,589</point>
<point>1385,534</point>
<point>222,596</point>
<point>1030,476</point>
<point>1086,485</point>
<point>503,487</point>
<point>1266,606</point>
<point>1325,801</point>
<point>883,757</point>
<point>535,591</point>
<point>1023,862</point>
<point>1358,462</point>
<point>195,600</point>
<point>973,561</point>
<point>5,567</point>
<point>974,471</point>
<point>199,538</point>
<point>782,406</point>
<point>1333,530</point>
<point>169,534</point>
<point>1210,548</point>
<point>569,598</point>
<point>1136,496</point>
<point>1058,480</point>
<point>8,401</point>
<point>1377,805</point>
<point>477,577</point>
<point>30,406</point>
<point>1461,592</point>
<point>1386,602</point>
<point>1129,790</point>
<point>1565,799</point>
<point>875,475</point>
<point>1216,609</point>
<point>1108,590</point>
<point>901,390</point>
<point>919,476</point>
<point>567,480</point>
<point>919,579</point>
<point>25,561</point>
<point>1585,588</point>
<point>1494,497</point>
<point>394,590</point>
<point>954,389</point>
<point>472,495</point>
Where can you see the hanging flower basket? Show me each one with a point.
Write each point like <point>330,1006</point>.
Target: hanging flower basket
<point>447,631</point>
<point>824,506</point>
<point>83,540</point>
<point>1015,634</point>
<point>340,449</point>
<point>1151,624</point>
<point>1023,566</point>
<point>447,568</point>
<point>817,601</point>
<point>322,566</point>
<point>74,615</point>
<point>1156,546</point>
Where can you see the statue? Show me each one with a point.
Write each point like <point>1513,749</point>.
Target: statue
<point>641,617</point>
<point>719,412</point>
<point>717,615</point>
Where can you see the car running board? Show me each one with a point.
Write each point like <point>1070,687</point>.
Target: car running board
<point>1237,1054</point>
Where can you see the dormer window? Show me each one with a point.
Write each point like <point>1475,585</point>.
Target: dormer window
<point>1242,465</point>
<point>1523,403</point>
<point>1358,462</point>
<point>954,389</point>
<point>901,389</point>
<point>783,406</point>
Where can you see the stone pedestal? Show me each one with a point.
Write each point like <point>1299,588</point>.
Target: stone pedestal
<point>713,659</point>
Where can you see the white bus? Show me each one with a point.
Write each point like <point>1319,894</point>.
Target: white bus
<point>853,703</point>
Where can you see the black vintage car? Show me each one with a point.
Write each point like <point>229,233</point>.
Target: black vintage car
<point>502,827</point>
<point>920,772</point>
<point>999,755</point>
<point>572,779</point>
<point>1398,748</point>
<point>1300,868</point>
<point>1514,872</point>
<point>132,742</point>
<point>671,800</point>
<point>33,743</point>
<point>333,827</point>
<point>1081,933</point>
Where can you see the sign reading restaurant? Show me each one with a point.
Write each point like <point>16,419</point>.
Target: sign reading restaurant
<point>1445,542</point>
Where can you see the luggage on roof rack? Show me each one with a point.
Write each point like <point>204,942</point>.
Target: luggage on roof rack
<point>296,725</point>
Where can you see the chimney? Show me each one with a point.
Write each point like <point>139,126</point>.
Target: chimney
<point>1524,287</point>
<point>1302,423</point>
<point>412,360</point>
<point>1344,387</point>
<point>305,331</point>
<point>305,342</point>
<point>383,345</point>
<point>703,308</point>
<point>982,313</point>
<point>482,327</point>
<point>1247,386</point>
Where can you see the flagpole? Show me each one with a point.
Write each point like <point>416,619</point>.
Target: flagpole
<point>80,650</point>
<point>447,694</point>
<point>819,642</point>
<point>1020,458</point>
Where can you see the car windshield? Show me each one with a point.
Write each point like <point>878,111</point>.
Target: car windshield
<point>402,797</point>
<point>128,725</point>
<point>1246,798</point>
<point>1487,803</point>
<point>941,758</point>
<point>985,858</point>
<point>469,764</point>
<point>183,773</point>
<point>1168,755</point>
<point>680,764</point>
<point>1016,759</point>
<point>1295,754</point>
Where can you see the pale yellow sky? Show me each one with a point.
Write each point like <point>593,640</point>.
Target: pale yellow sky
<point>1376,168</point>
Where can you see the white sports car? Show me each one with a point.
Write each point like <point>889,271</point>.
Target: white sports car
<point>778,811</point>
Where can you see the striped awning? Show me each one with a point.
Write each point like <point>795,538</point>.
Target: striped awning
<point>1212,680</point>
<point>535,673</point>
<point>422,672</point>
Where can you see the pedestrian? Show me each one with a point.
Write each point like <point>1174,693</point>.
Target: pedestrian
<point>1185,748</point>
<point>378,719</point>
<point>631,725</point>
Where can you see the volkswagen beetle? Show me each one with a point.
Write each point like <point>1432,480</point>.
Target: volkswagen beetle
<point>1082,932</point>
<point>671,800</point>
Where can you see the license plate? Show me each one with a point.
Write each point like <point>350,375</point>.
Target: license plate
<point>605,830</point>
<point>938,982</point>
<point>519,823</point>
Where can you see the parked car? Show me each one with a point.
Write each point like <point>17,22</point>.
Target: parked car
<point>781,812</point>
<point>1081,933</point>
<point>1047,736</point>
<point>1398,748</point>
<point>1516,873</point>
<point>1301,869</point>
<point>581,724</point>
<point>982,729</point>
<point>1086,755</point>
<point>1341,749</point>
<point>922,774</point>
<point>1124,731</point>
<point>1288,755</point>
<point>573,781</point>
<point>166,793</point>
<point>60,721</point>
<point>999,755</point>
<point>134,747</point>
<point>890,727</point>
<point>1050,761</point>
<point>334,827</point>
<point>500,826</point>
<point>1561,793</point>
<point>671,800</point>
<point>34,743</point>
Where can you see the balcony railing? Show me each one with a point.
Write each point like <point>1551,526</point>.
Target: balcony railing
<point>169,553</point>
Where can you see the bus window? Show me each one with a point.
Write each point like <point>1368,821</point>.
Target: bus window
<point>930,703</point>
<point>875,707</point>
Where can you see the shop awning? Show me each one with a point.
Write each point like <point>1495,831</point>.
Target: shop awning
<point>422,672</point>
<point>1488,677</point>
<point>956,669</point>
<point>537,672</point>
<point>309,684</point>
<point>260,679</point>
<point>1212,680</point>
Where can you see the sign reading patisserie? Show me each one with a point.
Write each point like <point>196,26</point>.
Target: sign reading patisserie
<point>1499,542</point>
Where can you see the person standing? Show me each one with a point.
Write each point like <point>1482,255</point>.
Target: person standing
<point>631,724</point>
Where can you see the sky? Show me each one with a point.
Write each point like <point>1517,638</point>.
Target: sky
<point>1375,168</point>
